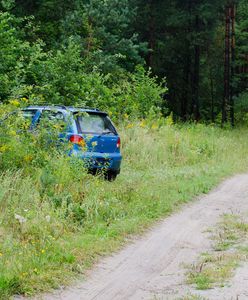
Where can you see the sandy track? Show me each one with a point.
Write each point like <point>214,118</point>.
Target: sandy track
<point>153,265</point>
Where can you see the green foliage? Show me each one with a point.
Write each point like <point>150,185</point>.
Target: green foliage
<point>118,44</point>
<point>241,109</point>
<point>12,51</point>
<point>59,51</point>
<point>102,29</point>
<point>173,32</point>
<point>242,48</point>
<point>56,219</point>
<point>64,77</point>
<point>138,95</point>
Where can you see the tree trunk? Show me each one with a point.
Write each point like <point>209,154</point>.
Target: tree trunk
<point>196,76</point>
<point>212,93</point>
<point>233,13</point>
<point>185,93</point>
<point>151,34</point>
<point>226,98</point>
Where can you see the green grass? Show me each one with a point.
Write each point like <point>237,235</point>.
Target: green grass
<point>229,250</point>
<point>192,297</point>
<point>69,224</point>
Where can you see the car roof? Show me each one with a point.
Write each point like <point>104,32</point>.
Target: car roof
<point>67,108</point>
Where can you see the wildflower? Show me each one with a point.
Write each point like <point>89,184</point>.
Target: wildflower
<point>35,270</point>
<point>142,124</point>
<point>25,125</point>
<point>21,219</point>
<point>82,143</point>
<point>154,126</point>
<point>126,116</point>
<point>14,102</point>
<point>24,99</point>
<point>28,158</point>
<point>48,218</point>
<point>4,148</point>
<point>89,137</point>
<point>12,133</point>
<point>130,126</point>
<point>94,144</point>
<point>43,251</point>
<point>169,120</point>
<point>57,126</point>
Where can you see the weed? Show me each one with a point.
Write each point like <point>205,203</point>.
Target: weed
<point>215,267</point>
<point>71,217</point>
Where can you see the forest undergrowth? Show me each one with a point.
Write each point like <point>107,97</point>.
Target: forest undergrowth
<point>56,220</point>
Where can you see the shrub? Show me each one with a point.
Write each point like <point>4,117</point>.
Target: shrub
<point>64,77</point>
<point>241,109</point>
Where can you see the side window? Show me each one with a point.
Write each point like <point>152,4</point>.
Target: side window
<point>21,119</point>
<point>52,119</point>
<point>29,114</point>
<point>52,115</point>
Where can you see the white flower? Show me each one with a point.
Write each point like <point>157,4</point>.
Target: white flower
<point>48,218</point>
<point>21,219</point>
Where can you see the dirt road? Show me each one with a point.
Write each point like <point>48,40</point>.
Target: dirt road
<point>153,266</point>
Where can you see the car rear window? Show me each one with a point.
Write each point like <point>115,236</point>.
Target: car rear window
<point>94,123</point>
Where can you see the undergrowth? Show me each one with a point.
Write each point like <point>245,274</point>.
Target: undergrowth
<point>56,220</point>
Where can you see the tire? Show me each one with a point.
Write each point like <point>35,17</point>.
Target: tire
<point>111,175</point>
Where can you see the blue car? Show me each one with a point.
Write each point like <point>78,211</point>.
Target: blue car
<point>91,132</point>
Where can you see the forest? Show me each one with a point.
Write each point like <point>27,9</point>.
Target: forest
<point>129,56</point>
<point>171,74</point>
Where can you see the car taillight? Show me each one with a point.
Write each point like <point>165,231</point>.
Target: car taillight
<point>118,143</point>
<point>77,139</point>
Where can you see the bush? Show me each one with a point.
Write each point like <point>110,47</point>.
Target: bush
<point>13,52</point>
<point>64,77</point>
<point>241,109</point>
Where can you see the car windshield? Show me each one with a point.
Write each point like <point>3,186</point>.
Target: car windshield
<point>94,123</point>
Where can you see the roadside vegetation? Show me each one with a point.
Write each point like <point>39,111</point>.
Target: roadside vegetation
<point>230,249</point>
<point>192,297</point>
<point>56,220</point>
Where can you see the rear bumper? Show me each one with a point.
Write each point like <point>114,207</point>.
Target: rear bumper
<point>97,160</point>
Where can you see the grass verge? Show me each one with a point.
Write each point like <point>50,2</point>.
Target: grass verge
<point>230,249</point>
<point>53,227</point>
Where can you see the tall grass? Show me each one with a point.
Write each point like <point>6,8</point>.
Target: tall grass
<point>55,224</point>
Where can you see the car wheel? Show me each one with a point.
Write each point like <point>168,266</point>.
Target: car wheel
<point>111,176</point>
